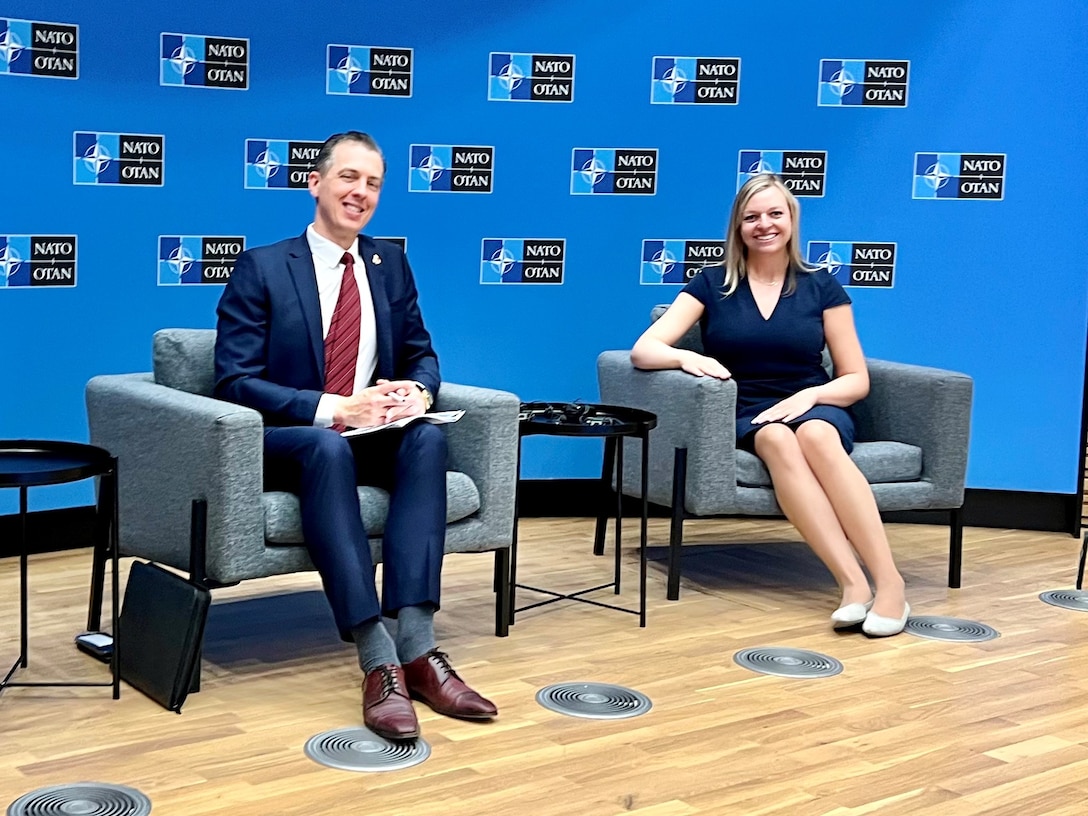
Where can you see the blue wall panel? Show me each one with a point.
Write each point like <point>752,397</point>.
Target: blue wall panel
<point>993,288</point>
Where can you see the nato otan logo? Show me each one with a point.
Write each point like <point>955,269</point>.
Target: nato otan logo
<point>611,170</point>
<point>276,164</point>
<point>118,158</point>
<point>804,172</point>
<point>959,175</point>
<point>676,260</point>
<point>450,168</point>
<point>522,260</point>
<point>196,61</point>
<point>854,263</point>
<point>695,81</point>
<point>368,70</point>
<point>856,82</point>
<point>198,259</point>
<point>37,260</point>
<point>530,77</point>
<point>34,48</point>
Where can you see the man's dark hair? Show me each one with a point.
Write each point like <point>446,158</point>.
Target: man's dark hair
<point>324,155</point>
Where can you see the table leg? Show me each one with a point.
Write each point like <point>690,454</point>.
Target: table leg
<point>514,537</point>
<point>619,509</point>
<point>109,481</point>
<point>22,578</point>
<point>642,533</point>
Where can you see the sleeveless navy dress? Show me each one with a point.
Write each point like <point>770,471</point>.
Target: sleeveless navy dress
<point>774,358</point>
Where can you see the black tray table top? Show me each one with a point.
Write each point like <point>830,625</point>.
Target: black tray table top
<point>583,419</point>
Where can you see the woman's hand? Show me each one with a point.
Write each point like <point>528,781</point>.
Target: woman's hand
<point>703,366</point>
<point>788,409</point>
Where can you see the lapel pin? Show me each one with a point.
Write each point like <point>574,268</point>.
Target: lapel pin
<point>375,259</point>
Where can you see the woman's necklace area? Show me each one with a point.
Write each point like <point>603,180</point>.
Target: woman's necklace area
<point>765,283</point>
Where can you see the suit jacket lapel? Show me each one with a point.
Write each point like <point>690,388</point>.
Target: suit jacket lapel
<point>382,315</point>
<point>300,263</point>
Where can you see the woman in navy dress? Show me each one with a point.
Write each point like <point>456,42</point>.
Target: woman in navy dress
<point>765,319</point>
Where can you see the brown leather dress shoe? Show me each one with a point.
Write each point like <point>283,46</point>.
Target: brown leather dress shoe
<point>387,711</point>
<point>432,679</point>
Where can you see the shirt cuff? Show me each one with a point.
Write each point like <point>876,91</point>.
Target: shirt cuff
<point>323,417</point>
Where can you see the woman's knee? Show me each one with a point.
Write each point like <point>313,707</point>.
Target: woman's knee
<point>820,440</point>
<point>776,442</point>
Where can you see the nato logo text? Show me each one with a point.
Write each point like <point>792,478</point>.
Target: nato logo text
<point>855,82</point>
<point>676,260</point>
<point>195,61</point>
<point>854,263</point>
<point>522,260</point>
<point>804,172</point>
<point>273,164</point>
<point>368,70</point>
<point>37,260</point>
<point>197,259</point>
<point>959,175</point>
<point>118,158</point>
<point>33,48</point>
<point>450,169</point>
<point>530,77</point>
<point>600,170</point>
<point>695,81</point>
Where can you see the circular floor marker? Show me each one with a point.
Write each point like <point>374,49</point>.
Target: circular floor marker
<point>594,701</point>
<point>783,661</point>
<point>81,799</point>
<point>1075,599</point>
<point>935,627</point>
<point>359,749</point>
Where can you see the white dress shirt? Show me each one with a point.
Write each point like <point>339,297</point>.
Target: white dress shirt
<point>330,273</point>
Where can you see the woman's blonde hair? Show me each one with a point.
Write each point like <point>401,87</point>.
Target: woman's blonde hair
<point>736,253</point>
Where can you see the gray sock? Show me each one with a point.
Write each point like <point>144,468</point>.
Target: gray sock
<point>376,647</point>
<point>415,632</point>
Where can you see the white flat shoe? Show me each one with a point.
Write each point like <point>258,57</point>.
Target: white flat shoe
<point>879,626</point>
<point>851,614</point>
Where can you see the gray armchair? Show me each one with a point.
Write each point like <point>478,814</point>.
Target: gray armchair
<point>190,473</point>
<point>912,437</point>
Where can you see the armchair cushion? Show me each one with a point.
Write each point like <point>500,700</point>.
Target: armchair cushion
<point>879,462</point>
<point>184,359</point>
<point>283,521</point>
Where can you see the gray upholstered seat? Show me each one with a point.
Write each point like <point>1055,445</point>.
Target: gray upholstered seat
<point>912,437</point>
<point>176,444</point>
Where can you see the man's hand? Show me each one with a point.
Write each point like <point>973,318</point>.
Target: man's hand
<point>379,404</point>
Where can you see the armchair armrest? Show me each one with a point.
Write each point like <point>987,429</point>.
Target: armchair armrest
<point>173,447</point>
<point>483,444</point>
<point>922,406</point>
<point>696,413</point>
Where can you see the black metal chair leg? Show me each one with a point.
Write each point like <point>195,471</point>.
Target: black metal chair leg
<point>1080,567</point>
<point>955,548</point>
<point>502,592</point>
<point>198,569</point>
<point>676,528</point>
<point>103,523</point>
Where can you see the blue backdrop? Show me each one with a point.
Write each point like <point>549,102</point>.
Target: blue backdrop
<point>994,287</point>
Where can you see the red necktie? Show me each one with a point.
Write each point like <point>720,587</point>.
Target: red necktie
<point>342,341</point>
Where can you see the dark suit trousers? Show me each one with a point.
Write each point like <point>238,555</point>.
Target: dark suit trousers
<point>323,469</point>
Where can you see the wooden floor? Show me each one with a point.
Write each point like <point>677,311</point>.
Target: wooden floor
<point>911,726</point>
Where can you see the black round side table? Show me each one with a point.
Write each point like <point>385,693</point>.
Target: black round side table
<point>27,463</point>
<point>611,423</point>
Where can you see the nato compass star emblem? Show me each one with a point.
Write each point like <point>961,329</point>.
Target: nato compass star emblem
<point>267,164</point>
<point>673,80</point>
<point>180,261</point>
<point>829,262</point>
<point>593,171</point>
<point>502,261</point>
<point>937,176</point>
<point>841,82</point>
<point>97,158</point>
<point>430,168</point>
<point>9,262</point>
<point>183,60</point>
<point>10,46</point>
<point>663,262</point>
<point>510,76</point>
<point>349,69</point>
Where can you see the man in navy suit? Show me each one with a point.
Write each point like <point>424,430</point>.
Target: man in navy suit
<point>320,333</point>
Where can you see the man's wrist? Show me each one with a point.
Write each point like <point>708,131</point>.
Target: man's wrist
<point>428,397</point>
